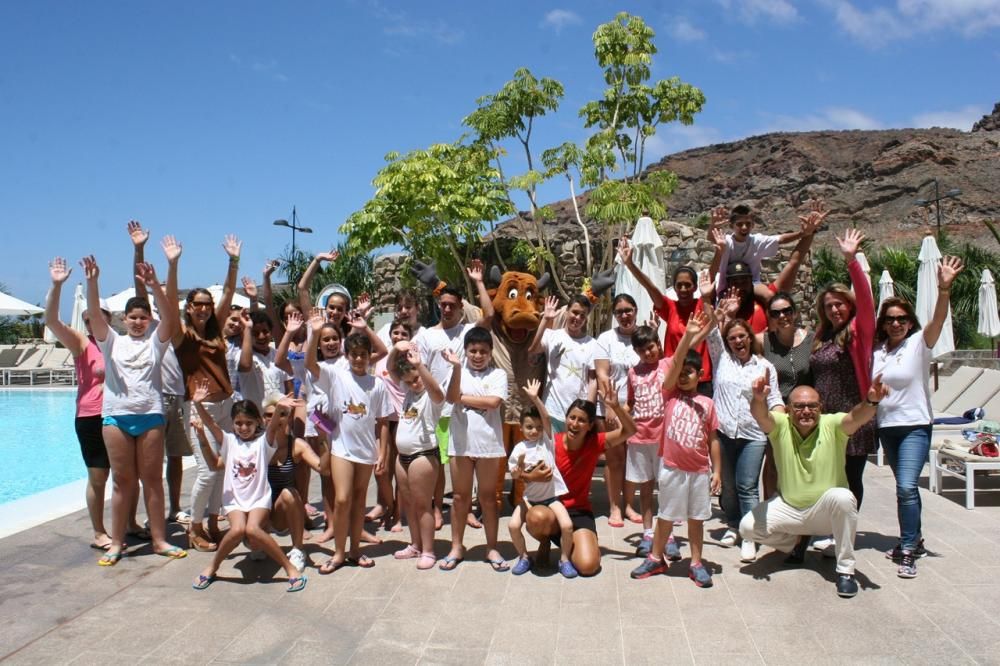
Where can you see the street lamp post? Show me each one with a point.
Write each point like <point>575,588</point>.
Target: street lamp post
<point>938,197</point>
<point>294,227</point>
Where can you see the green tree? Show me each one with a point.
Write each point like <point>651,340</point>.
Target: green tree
<point>432,203</point>
<point>629,113</point>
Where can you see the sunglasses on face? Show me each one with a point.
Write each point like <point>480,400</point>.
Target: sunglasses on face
<point>901,319</point>
<point>782,312</point>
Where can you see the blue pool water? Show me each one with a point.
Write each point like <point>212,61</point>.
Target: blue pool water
<point>37,441</point>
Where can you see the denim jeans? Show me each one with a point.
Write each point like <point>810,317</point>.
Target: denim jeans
<point>906,449</point>
<point>741,463</point>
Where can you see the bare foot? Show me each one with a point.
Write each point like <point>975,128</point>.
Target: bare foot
<point>368,537</point>
<point>632,515</point>
<point>397,527</point>
<point>325,535</point>
<point>438,519</point>
<point>375,514</point>
<point>307,535</point>
<point>473,522</point>
<point>101,541</point>
<point>615,519</point>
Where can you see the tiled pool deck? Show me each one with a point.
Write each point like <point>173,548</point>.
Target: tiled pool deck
<point>56,606</point>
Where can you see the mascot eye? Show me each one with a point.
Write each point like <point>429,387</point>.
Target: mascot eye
<point>528,295</point>
<point>512,294</point>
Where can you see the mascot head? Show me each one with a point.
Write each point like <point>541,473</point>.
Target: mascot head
<point>517,300</point>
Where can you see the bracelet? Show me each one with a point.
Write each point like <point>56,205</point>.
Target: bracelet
<point>944,291</point>
<point>234,261</point>
<point>871,402</point>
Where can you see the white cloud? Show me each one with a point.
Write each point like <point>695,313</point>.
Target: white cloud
<point>400,24</point>
<point>558,19</point>
<point>906,18</point>
<point>675,137</point>
<point>684,31</point>
<point>962,119</point>
<point>779,11</point>
<point>832,118</point>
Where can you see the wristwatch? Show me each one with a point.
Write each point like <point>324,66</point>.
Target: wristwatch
<point>871,402</point>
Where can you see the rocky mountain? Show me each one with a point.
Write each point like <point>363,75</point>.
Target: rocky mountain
<point>869,178</point>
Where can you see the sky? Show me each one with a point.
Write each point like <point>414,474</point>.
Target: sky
<point>202,119</point>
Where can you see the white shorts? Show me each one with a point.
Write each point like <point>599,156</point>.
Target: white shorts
<point>684,495</point>
<point>641,461</point>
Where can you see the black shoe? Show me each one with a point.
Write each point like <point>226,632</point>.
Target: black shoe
<point>896,553</point>
<point>798,555</point>
<point>847,587</point>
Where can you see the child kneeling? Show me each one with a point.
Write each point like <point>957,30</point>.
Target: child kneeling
<point>538,448</point>
<point>690,449</point>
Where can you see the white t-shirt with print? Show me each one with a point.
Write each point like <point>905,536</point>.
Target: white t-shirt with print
<point>478,433</point>
<point>133,376</point>
<point>430,342</point>
<point>263,378</point>
<point>541,451</point>
<point>356,403</point>
<point>244,485</point>
<point>751,252</point>
<point>569,361</point>
<point>617,349</point>
<point>418,417</point>
<point>906,372</point>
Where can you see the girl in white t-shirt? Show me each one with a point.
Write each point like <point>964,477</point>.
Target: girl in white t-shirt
<point>418,460</point>
<point>538,448</point>
<point>475,441</point>
<point>246,493</point>
<point>132,409</point>
<point>360,407</point>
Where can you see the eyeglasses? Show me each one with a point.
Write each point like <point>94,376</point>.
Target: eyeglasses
<point>201,304</point>
<point>803,406</point>
<point>783,312</point>
<point>901,319</point>
<point>624,311</point>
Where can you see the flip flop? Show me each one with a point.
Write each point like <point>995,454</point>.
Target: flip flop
<point>105,547</point>
<point>499,565</point>
<point>363,561</point>
<point>426,561</point>
<point>174,553</point>
<point>297,584</point>
<point>109,559</point>
<point>142,534</point>
<point>449,563</point>
<point>202,582</point>
<point>330,566</point>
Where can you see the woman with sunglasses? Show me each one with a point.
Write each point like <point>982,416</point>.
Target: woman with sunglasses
<point>613,357</point>
<point>902,360</point>
<point>787,345</point>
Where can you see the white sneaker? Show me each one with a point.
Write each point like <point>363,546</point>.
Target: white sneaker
<point>297,558</point>
<point>748,551</point>
<point>822,544</point>
<point>729,539</point>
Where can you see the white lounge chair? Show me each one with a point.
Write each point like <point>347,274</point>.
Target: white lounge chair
<point>953,459</point>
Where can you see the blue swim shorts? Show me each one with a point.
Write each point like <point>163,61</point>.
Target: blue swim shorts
<point>135,424</point>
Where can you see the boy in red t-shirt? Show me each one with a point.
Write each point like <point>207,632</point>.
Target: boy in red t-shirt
<point>691,457</point>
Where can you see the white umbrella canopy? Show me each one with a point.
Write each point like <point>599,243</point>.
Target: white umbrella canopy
<point>863,260</point>
<point>989,321</point>
<point>79,307</point>
<point>927,284</point>
<point>15,307</point>
<point>647,255</point>
<point>238,299</point>
<point>886,288</point>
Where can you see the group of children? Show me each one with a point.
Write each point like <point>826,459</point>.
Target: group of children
<point>335,397</point>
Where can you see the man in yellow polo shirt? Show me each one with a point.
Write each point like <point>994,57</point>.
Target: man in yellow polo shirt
<point>809,452</point>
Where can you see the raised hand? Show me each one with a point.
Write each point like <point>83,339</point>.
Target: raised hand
<point>245,320</point>
<point>332,255</point>
<point>356,320</point>
<point>705,285</point>
<point>317,317</point>
<point>719,217</point>
<point>232,246</point>
<point>293,322</point>
<point>412,355</point>
<point>196,422</point>
<point>551,309</point>
<point>364,304</point>
<point>532,388</point>
<point>451,357</point>
<point>147,273</point>
<point>653,321</point>
<point>814,218</point>
<point>729,304</point>
<point>877,390</point>
<point>696,323</point>
<point>475,270</point>
<point>762,385</point>
<point>58,270</point>
<point>718,238</point>
<point>426,274</point>
<point>138,235</point>
<point>611,396</point>
<point>200,391</point>
<point>625,251</point>
<point>948,270</point>
<point>270,266</point>
<point>90,268</point>
<point>250,287</point>
<point>171,248</point>
<point>850,243</point>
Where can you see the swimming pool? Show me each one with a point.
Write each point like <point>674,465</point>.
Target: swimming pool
<point>37,441</point>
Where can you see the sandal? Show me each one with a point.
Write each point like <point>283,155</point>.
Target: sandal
<point>297,584</point>
<point>174,553</point>
<point>109,559</point>
<point>426,561</point>
<point>202,582</point>
<point>97,546</point>
<point>330,566</point>
<point>407,553</point>
<point>362,561</point>
<point>181,517</point>
<point>499,565</point>
<point>200,543</point>
<point>449,563</point>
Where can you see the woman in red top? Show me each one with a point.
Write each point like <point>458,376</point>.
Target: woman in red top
<point>577,451</point>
